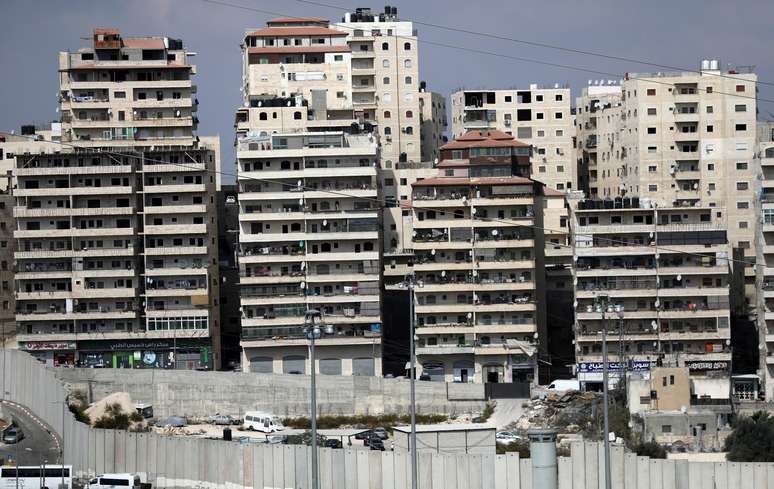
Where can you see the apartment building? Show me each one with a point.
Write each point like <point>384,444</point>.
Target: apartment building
<point>116,259</point>
<point>385,80</point>
<point>309,239</point>
<point>689,139</point>
<point>657,279</point>
<point>308,215</point>
<point>598,123</point>
<point>539,116</point>
<point>477,262</point>
<point>765,258</point>
<point>433,123</point>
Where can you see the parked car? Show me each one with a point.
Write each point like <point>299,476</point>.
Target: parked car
<point>220,419</point>
<point>172,421</point>
<point>331,443</point>
<point>376,443</point>
<point>363,435</point>
<point>507,437</point>
<point>425,377</point>
<point>13,435</point>
<point>381,433</point>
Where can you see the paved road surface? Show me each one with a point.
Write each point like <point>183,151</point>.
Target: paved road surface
<point>506,412</point>
<point>38,445</point>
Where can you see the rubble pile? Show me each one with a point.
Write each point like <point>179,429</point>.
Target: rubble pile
<point>571,412</point>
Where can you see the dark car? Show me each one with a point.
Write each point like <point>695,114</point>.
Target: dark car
<point>331,443</point>
<point>13,435</point>
<point>381,433</point>
<point>425,377</point>
<point>363,435</point>
<point>376,443</point>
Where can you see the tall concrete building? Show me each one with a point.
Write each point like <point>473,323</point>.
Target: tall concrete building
<point>433,123</point>
<point>539,116</point>
<point>116,250</point>
<point>598,133</point>
<point>665,274</point>
<point>479,262</point>
<point>685,139</point>
<point>385,80</point>
<point>308,215</point>
<point>765,258</point>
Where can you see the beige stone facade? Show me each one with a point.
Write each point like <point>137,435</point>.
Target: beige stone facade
<point>539,116</point>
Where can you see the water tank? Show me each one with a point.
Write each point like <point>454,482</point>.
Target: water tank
<point>714,64</point>
<point>387,9</point>
<point>705,64</point>
<point>394,10</point>
<point>347,17</point>
<point>28,129</point>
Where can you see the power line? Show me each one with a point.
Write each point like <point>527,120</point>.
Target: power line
<point>546,45</point>
<point>494,54</point>
<point>381,203</point>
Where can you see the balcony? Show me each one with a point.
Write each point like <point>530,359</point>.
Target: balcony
<point>459,349</point>
<point>66,191</point>
<point>176,250</point>
<point>173,189</point>
<point>175,229</point>
<point>175,209</point>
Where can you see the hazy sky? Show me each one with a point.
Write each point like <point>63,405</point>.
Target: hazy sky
<point>677,33</point>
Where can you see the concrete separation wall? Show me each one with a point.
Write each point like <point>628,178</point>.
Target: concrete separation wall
<point>177,462</point>
<point>190,393</point>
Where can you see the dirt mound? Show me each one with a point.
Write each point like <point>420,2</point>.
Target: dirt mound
<point>99,408</point>
<point>569,412</point>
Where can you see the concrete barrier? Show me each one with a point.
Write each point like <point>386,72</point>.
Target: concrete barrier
<point>174,462</point>
<point>190,393</point>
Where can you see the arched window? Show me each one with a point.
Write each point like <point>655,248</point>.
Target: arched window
<point>386,80</point>
<point>409,114</point>
<point>386,63</point>
<point>409,130</point>
<point>387,131</point>
<point>408,80</point>
<point>407,63</point>
<point>385,46</point>
<point>297,115</point>
<point>387,114</point>
<point>263,116</point>
<point>407,46</point>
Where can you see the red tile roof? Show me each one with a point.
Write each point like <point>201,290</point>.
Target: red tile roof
<point>462,181</point>
<point>296,20</point>
<point>551,192</point>
<point>106,32</point>
<point>311,30</point>
<point>484,139</point>
<point>299,50</point>
<point>144,42</point>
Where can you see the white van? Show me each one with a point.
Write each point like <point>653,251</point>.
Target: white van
<point>564,385</point>
<point>263,422</point>
<point>114,481</point>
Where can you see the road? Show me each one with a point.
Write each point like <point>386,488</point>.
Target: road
<point>38,445</point>
<point>506,411</point>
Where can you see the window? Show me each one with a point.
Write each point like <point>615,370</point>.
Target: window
<point>741,127</point>
<point>710,166</point>
<point>409,130</point>
<point>339,76</point>
<point>508,98</point>
<point>407,63</point>
<point>539,115</point>
<point>742,205</point>
<point>742,185</point>
<point>407,80</point>
<point>651,130</point>
<point>387,114</point>
<point>709,90</point>
<point>711,186</point>
<point>263,116</point>
<point>407,46</point>
<point>297,115</point>
<point>740,108</point>
<point>403,181</point>
<point>339,94</point>
<point>338,57</point>
<point>387,131</point>
<point>385,46</point>
<point>710,128</point>
<point>559,133</point>
<point>652,188</point>
<point>386,80</point>
<point>666,428</point>
<point>741,165</point>
<point>652,168</point>
<point>409,114</point>
<point>740,88</point>
<point>558,115</point>
<point>709,109</point>
<point>560,169</point>
<point>652,149</point>
<point>389,182</point>
<point>386,63</point>
<point>651,111</point>
<point>651,92</point>
<point>742,224</point>
<point>558,97</point>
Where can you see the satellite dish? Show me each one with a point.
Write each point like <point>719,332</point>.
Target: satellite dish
<point>443,273</point>
<point>494,232</point>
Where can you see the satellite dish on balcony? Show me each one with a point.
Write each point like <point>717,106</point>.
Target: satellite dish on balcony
<point>432,252</point>
<point>325,222</point>
<point>470,315</point>
<point>679,278</point>
<point>494,232</point>
<point>443,273</point>
<point>303,285</point>
<point>473,210</point>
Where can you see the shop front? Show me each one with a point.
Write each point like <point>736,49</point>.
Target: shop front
<point>590,374</point>
<point>51,353</point>
<point>183,353</point>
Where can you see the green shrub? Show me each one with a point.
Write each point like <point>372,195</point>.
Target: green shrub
<point>367,421</point>
<point>487,412</point>
<point>522,447</point>
<point>649,449</point>
<point>136,417</point>
<point>751,440</point>
<point>113,419</point>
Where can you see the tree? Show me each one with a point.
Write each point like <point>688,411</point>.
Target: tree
<point>752,439</point>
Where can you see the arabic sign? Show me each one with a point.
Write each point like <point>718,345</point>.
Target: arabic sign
<point>707,365</point>
<point>598,366</point>
<point>46,345</point>
<point>138,345</point>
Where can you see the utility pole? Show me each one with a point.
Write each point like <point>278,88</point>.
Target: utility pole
<point>412,380</point>
<point>602,306</point>
<point>313,330</point>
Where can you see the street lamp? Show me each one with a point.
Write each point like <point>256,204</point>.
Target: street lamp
<point>313,329</point>
<point>603,305</point>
